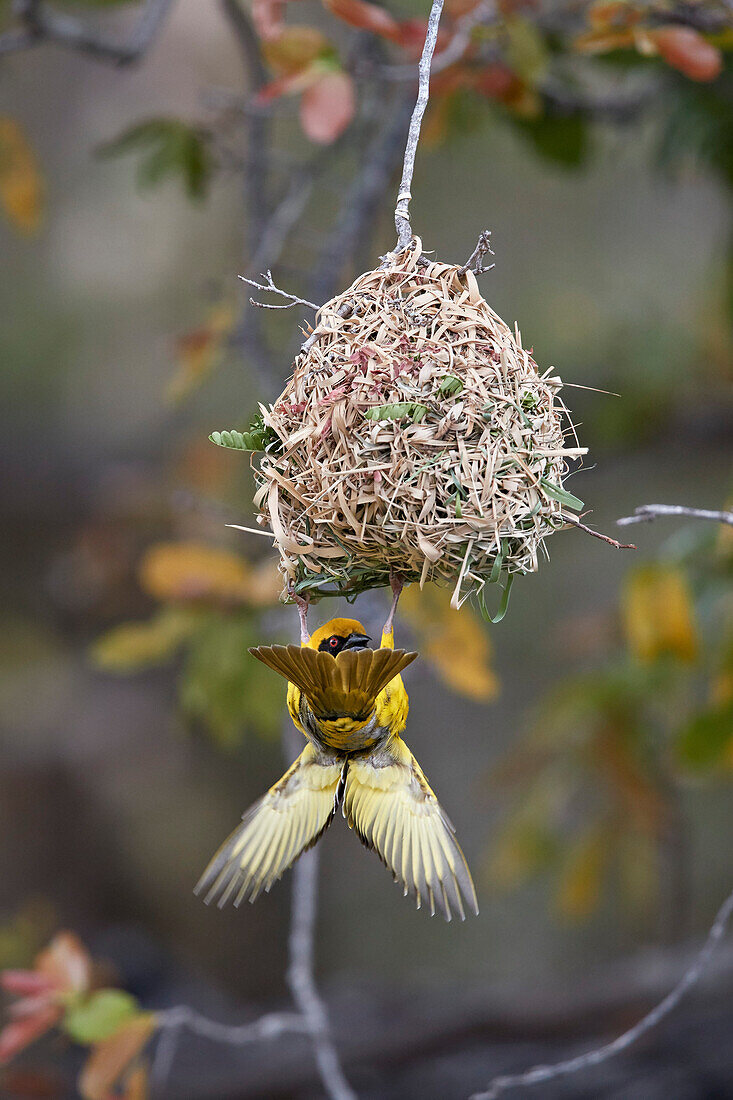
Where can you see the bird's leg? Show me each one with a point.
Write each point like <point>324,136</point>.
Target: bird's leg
<point>397,585</point>
<point>302,604</point>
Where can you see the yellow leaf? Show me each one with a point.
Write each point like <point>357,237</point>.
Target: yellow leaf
<point>658,615</point>
<point>200,350</point>
<point>110,1058</point>
<point>265,584</point>
<point>21,185</point>
<point>579,888</point>
<point>190,571</point>
<point>453,642</point>
<point>133,646</point>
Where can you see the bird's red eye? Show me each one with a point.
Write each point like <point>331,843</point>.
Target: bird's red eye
<point>333,642</point>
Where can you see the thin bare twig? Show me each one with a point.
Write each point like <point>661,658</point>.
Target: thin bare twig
<point>648,512</point>
<point>541,1074</point>
<point>475,261</point>
<point>596,534</point>
<point>362,198</point>
<point>41,23</point>
<point>402,209</point>
<point>270,287</point>
<point>172,1021</point>
<point>302,982</point>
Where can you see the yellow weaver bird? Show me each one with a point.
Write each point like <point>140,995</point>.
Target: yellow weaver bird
<point>350,703</point>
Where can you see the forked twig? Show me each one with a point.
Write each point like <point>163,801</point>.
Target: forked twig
<point>475,260</point>
<point>269,287</point>
<point>540,1074</point>
<point>648,512</point>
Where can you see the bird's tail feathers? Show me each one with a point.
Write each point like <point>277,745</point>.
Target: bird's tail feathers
<point>346,684</point>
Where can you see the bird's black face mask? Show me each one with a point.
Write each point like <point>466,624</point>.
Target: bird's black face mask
<point>336,643</point>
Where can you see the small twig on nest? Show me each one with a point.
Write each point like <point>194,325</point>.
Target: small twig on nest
<point>597,534</point>
<point>540,1074</point>
<point>269,286</point>
<point>475,260</point>
<point>402,209</point>
<point>648,512</point>
<point>344,311</point>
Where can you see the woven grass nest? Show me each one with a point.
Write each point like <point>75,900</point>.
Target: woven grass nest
<point>415,435</point>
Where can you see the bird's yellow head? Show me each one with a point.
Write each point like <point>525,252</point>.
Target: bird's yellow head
<point>339,634</point>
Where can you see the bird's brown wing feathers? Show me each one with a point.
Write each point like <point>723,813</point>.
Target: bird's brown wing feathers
<point>345,685</point>
<point>284,823</point>
<point>390,805</point>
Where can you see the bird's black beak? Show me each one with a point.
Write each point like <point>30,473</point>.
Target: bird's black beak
<point>356,641</point>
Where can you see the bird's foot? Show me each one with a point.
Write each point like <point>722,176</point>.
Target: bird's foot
<point>301,603</point>
<point>397,584</point>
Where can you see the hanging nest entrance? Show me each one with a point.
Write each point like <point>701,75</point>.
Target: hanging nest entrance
<point>415,435</point>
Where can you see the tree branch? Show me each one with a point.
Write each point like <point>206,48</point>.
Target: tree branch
<point>402,209</point>
<point>40,23</point>
<point>541,1074</point>
<point>361,200</point>
<point>649,512</point>
<point>567,518</point>
<point>269,287</point>
<point>301,979</point>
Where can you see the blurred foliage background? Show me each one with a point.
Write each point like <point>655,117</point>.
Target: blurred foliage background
<point>583,747</point>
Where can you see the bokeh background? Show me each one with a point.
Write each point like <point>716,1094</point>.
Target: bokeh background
<point>585,757</point>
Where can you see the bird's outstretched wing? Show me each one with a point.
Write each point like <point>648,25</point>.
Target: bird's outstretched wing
<point>279,827</point>
<point>345,685</point>
<point>389,804</point>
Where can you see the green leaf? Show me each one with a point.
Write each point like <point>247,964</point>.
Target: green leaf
<point>450,386</point>
<point>703,743</point>
<point>526,51</point>
<point>222,686</point>
<point>167,147</point>
<point>698,126</point>
<point>560,494</point>
<point>398,411</point>
<point>100,1015</point>
<point>562,139</point>
<point>259,437</point>
<point>503,604</point>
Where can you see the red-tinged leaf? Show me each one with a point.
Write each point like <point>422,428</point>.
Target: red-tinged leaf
<point>66,963</point>
<point>284,85</point>
<point>686,50</point>
<point>365,16</point>
<point>412,37</point>
<point>497,82</point>
<point>30,1006</point>
<point>327,107</point>
<point>21,1033</point>
<point>267,16</point>
<point>457,8</point>
<point>25,983</point>
<point>294,49</point>
<point>110,1058</point>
